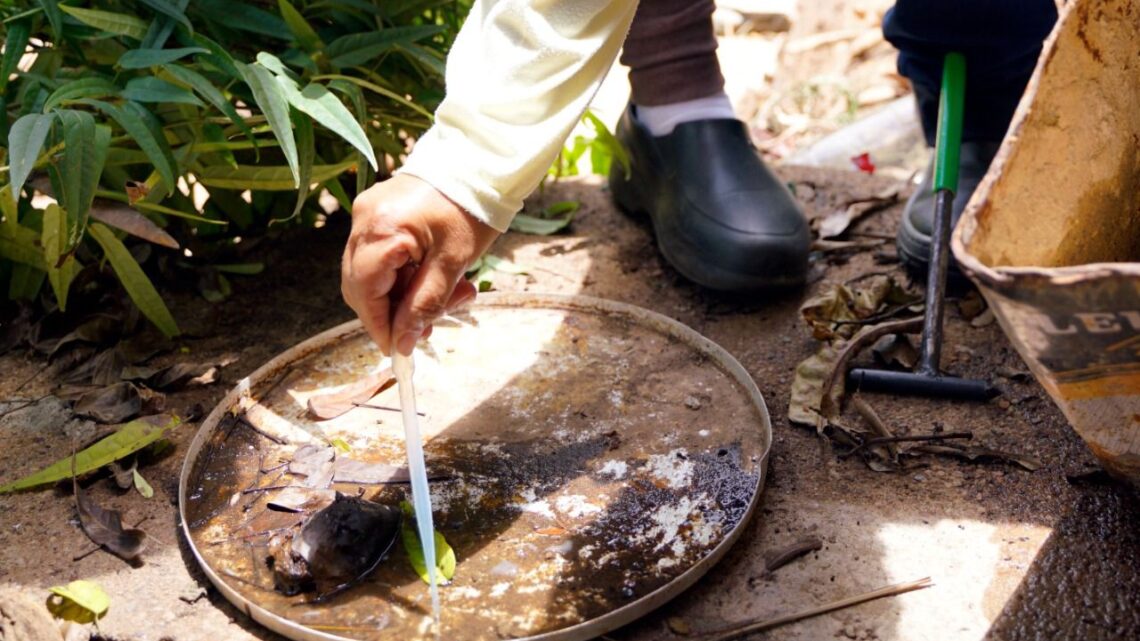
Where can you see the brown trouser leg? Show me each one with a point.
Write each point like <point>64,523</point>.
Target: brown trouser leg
<point>671,52</point>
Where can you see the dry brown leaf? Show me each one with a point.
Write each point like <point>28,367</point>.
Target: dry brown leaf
<point>111,404</point>
<point>836,223</point>
<point>975,453</point>
<point>105,527</point>
<point>807,387</point>
<point>122,217</point>
<point>896,351</point>
<point>333,404</point>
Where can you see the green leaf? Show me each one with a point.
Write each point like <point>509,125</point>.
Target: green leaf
<point>243,269</point>
<point>306,37</point>
<point>61,265</point>
<point>25,283</point>
<point>117,23</point>
<point>142,58</point>
<point>207,90</point>
<point>134,280</point>
<point>20,245</point>
<point>141,485</point>
<point>80,601</point>
<point>276,178</point>
<point>140,125</point>
<point>609,142</point>
<point>25,141</point>
<point>444,556</point>
<point>170,10</point>
<point>125,441</point>
<point>267,94</point>
<point>245,16</point>
<point>55,18</point>
<point>80,165</point>
<point>151,89</point>
<point>377,89</point>
<point>554,219</point>
<point>327,109</point>
<point>307,152</point>
<point>274,64</point>
<point>341,444</point>
<point>338,192</point>
<point>81,88</point>
<point>15,43</point>
<point>361,48</point>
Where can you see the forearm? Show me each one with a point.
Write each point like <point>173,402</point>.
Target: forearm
<point>519,76</point>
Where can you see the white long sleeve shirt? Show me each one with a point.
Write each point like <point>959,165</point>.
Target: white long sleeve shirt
<point>519,77</point>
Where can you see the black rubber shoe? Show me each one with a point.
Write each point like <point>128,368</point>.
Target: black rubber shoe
<point>721,218</point>
<point>918,216</point>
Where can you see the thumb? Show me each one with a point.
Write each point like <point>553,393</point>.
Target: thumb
<point>425,299</point>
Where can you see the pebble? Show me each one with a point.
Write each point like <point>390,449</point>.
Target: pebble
<point>692,402</point>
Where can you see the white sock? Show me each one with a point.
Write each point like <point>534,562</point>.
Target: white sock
<point>662,119</point>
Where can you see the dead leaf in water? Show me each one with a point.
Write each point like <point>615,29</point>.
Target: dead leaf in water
<point>112,404</point>
<point>333,404</point>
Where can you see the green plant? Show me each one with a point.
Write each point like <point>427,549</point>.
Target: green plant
<point>188,124</point>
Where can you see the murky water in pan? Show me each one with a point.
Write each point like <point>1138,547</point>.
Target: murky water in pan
<point>583,459</point>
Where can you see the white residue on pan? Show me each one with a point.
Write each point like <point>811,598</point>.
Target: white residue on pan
<point>617,398</point>
<point>499,589</point>
<point>676,529</point>
<point>462,592</point>
<point>575,506</point>
<point>674,469</point>
<point>703,432</point>
<point>616,469</point>
<point>586,551</point>
<point>455,491</point>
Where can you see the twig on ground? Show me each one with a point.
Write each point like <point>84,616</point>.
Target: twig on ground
<point>877,426</point>
<point>864,338</point>
<point>906,439</point>
<point>778,558</point>
<point>384,407</point>
<point>750,627</point>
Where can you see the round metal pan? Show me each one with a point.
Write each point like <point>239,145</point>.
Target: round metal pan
<point>590,461</point>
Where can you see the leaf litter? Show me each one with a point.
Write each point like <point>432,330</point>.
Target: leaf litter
<point>847,319</point>
<point>105,527</point>
<point>78,601</point>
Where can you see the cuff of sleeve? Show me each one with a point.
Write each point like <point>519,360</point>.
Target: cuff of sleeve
<point>436,164</point>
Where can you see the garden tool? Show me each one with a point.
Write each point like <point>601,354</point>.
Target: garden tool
<point>927,379</point>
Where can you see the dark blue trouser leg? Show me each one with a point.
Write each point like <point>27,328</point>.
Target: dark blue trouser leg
<point>1000,39</point>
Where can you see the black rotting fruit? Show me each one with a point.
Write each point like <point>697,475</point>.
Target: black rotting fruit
<point>334,548</point>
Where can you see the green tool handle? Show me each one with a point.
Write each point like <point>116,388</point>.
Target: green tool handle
<point>948,140</point>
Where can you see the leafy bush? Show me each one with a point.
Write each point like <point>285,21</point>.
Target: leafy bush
<point>188,124</point>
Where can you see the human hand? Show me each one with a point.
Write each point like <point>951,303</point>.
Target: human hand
<point>405,258</point>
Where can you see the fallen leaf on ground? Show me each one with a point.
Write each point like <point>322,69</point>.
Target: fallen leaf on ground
<point>141,485</point>
<point>896,350</point>
<point>836,223</point>
<point>181,375</point>
<point>332,404</point>
<point>127,440</point>
<point>78,601</point>
<point>807,387</point>
<point>98,330</point>
<point>974,453</point>
<point>105,527</point>
<point>838,310</point>
<point>551,220</point>
<point>444,555</point>
<point>112,404</point>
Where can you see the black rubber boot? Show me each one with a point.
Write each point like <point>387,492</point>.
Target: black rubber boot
<point>721,218</point>
<point>918,216</point>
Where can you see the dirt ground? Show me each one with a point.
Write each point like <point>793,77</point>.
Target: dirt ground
<point>1013,554</point>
